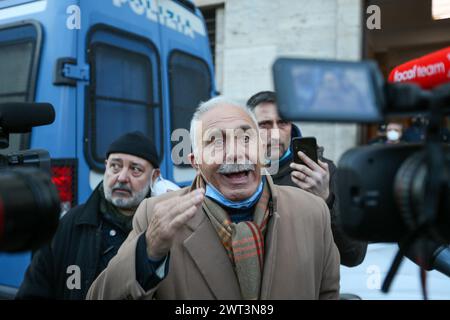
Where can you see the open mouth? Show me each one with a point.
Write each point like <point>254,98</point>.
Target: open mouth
<point>237,177</point>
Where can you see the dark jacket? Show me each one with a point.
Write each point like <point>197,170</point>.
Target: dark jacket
<point>84,238</point>
<point>352,251</point>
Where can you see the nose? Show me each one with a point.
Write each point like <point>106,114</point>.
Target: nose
<point>235,151</point>
<point>123,176</point>
<point>275,133</point>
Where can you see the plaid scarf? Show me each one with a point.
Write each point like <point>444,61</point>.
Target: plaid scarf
<point>244,241</point>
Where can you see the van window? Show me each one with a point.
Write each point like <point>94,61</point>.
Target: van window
<point>190,84</point>
<point>123,97</point>
<point>15,62</point>
<point>19,49</point>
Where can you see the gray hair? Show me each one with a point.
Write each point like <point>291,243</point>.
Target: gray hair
<point>209,105</point>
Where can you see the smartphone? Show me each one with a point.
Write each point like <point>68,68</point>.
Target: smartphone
<point>307,145</point>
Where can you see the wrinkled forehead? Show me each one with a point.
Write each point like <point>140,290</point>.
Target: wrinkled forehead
<point>226,118</point>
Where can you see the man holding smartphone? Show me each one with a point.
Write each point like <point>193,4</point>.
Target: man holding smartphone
<point>317,178</point>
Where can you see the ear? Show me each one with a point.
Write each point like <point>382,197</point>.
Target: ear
<point>193,161</point>
<point>156,174</point>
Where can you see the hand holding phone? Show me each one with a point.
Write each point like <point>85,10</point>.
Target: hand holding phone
<point>312,176</point>
<point>307,145</point>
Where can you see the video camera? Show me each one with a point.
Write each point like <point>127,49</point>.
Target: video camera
<point>29,202</point>
<point>388,193</point>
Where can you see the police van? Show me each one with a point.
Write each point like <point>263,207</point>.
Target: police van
<point>108,67</point>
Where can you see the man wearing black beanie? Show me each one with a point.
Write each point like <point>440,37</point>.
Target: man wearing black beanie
<point>89,235</point>
<point>125,189</point>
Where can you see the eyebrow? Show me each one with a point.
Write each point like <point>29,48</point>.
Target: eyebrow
<point>245,127</point>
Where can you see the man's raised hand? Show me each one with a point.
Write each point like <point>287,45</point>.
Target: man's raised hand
<point>169,216</point>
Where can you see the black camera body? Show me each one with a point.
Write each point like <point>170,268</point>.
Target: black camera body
<point>29,202</point>
<point>387,193</point>
<point>383,192</point>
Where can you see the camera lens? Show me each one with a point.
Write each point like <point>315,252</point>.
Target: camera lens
<point>413,195</point>
<point>29,209</point>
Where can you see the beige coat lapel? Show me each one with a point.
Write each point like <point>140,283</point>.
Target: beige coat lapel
<point>270,246</point>
<point>270,257</point>
<point>211,259</point>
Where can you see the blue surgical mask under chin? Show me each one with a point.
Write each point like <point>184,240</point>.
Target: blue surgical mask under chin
<point>287,155</point>
<point>215,194</point>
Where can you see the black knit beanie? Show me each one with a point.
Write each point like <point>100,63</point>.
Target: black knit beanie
<point>136,144</point>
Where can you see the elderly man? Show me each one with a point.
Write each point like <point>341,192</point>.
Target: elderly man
<point>232,234</point>
<point>317,178</point>
<point>89,235</point>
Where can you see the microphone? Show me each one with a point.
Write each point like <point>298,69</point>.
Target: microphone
<point>21,117</point>
<point>427,71</point>
<point>430,256</point>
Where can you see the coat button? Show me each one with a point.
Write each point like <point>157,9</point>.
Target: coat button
<point>112,233</point>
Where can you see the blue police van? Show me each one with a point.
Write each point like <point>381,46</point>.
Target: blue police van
<point>108,67</point>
